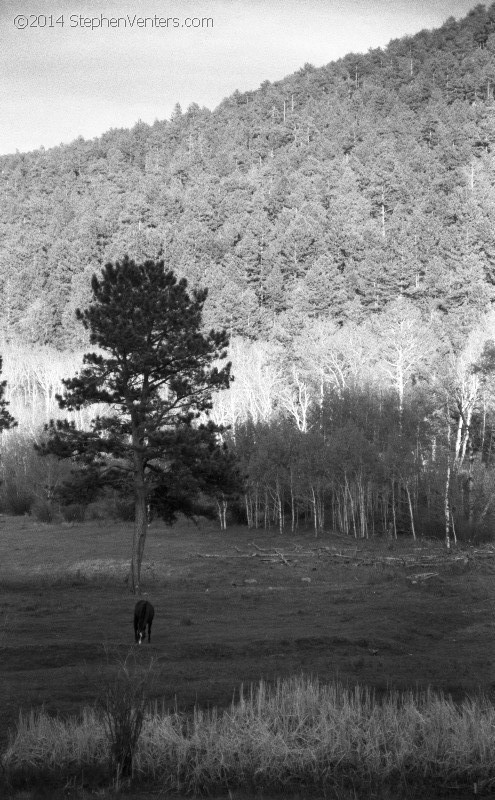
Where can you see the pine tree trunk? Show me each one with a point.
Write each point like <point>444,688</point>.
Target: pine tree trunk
<point>139,535</point>
<point>140,514</point>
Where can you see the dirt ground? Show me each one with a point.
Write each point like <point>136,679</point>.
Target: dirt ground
<point>235,606</point>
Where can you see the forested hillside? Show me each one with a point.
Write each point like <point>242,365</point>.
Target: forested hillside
<point>343,220</point>
<point>328,193</point>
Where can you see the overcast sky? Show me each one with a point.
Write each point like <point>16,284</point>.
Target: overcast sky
<point>60,82</point>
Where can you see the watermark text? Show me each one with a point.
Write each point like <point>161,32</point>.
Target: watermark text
<point>104,22</point>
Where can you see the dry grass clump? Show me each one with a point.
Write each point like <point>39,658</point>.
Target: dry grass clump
<point>48,744</point>
<point>91,568</point>
<point>297,733</point>
<point>123,701</point>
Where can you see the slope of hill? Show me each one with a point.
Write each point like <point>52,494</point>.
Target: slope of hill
<point>328,193</point>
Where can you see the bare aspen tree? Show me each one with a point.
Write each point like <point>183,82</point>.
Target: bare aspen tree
<point>404,343</point>
<point>296,399</point>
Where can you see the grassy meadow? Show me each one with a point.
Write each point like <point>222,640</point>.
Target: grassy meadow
<point>366,634</point>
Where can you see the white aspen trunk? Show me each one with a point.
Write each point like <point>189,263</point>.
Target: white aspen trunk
<point>387,525</point>
<point>249,510</point>
<point>400,390</point>
<point>457,443</point>
<point>222,513</point>
<point>279,508</point>
<point>393,509</point>
<point>342,514</point>
<point>321,510</point>
<point>410,511</point>
<point>383,212</point>
<point>352,508</point>
<point>447,482</point>
<point>483,427</point>
<point>292,503</point>
<point>447,507</point>
<point>470,486</point>
<point>486,508</point>
<point>313,503</point>
<point>362,509</point>
<point>375,501</point>
<point>453,527</point>
<point>466,435</point>
<point>345,518</point>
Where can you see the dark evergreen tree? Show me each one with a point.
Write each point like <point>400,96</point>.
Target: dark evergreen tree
<point>154,370</point>
<point>7,421</point>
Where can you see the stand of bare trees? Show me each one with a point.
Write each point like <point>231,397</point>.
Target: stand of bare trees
<point>382,427</point>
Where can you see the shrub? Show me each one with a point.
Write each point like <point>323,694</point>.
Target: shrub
<point>15,499</point>
<point>43,511</point>
<point>123,702</point>
<point>99,510</point>
<point>26,477</point>
<point>74,512</point>
<point>124,510</point>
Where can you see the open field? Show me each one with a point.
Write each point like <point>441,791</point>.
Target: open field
<point>229,610</point>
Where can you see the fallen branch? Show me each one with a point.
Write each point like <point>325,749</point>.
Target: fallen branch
<point>423,576</point>
<point>281,555</point>
<point>226,555</point>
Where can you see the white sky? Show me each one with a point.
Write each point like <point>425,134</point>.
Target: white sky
<point>57,83</point>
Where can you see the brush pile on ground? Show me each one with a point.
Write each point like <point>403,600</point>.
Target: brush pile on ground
<point>295,734</point>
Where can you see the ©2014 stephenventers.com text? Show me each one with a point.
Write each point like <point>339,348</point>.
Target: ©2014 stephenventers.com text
<point>102,22</point>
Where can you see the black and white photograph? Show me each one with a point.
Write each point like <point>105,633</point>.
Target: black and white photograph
<point>247,399</point>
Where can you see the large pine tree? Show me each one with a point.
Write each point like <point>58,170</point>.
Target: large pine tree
<point>154,370</point>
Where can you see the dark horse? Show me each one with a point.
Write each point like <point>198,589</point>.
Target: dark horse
<point>143,616</point>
